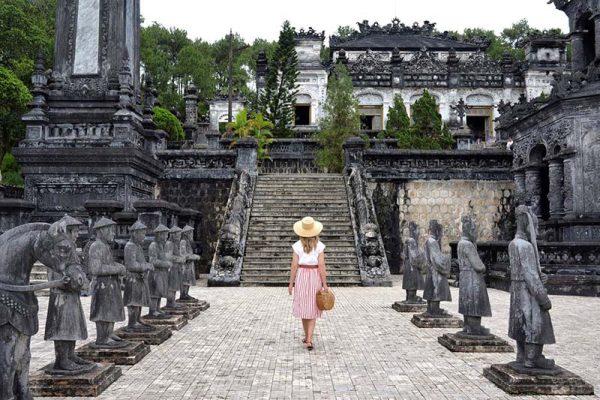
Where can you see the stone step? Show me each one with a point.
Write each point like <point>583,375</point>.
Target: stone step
<point>258,244</point>
<point>254,252</point>
<point>287,257</point>
<point>286,236</point>
<point>295,202</point>
<point>296,215</point>
<point>285,282</point>
<point>286,270</point>
<point>276,229</point>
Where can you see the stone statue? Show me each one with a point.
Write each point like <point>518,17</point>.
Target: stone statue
<point>414,265</point>
<point>176,272</point>
<point>107,300</point>
<point>474,302</point>
<point>20,248</point>
<point>189,272</point>
<point>66,322</point>
<point>159,277</point>
<point>529,324</point>
<point>137,289</point>
<point>437,288</point>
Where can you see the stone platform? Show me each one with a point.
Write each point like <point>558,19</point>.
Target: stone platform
<point>156,337</point>
<point>404,307</point>
<point>559,382</point>
<point>173,322</point>
<point>129,355</point>
<point>462,343</point>
<point>89,384</point>
<point>442,321</point>
<point>187,311</point>
<point>202,305</point>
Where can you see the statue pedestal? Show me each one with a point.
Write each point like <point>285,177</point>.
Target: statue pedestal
<point>173,322</point>
<point>461,343</point>
<point>539,382</point>
<point>89,384</point>
<point>404,307</point>
<point>199,304</point>
<point>188,312</point>
<point>436,321</point>
<point>128,355</point>
<point>155,337</point>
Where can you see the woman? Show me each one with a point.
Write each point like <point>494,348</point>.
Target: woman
<point>308,275</point>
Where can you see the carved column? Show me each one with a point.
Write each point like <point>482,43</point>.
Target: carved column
<point>520,188</point>
<point>578,56</point>
<point>568,185</point>
<point>555,195</point>
<point>191,112</point>
<point>596,18</point>
<point>247,157</point>
<point>353,151</point>
<point>533,186</point>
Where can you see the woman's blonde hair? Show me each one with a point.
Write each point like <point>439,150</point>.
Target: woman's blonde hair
<point>309,244</point>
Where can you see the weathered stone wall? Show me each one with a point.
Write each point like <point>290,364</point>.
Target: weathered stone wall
<point>209,196</point>
<point>398,203</point>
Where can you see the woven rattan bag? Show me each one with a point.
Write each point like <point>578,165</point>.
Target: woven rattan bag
<point>325,300</point>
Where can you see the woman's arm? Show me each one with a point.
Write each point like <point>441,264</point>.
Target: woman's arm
<point>322,271</point>
<point>294,270</point>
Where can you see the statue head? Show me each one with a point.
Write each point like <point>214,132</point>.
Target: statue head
<point>161,234</point>
<point>188,233</point>
<point>469,229</point>
<point>105,229</point>
<point>414,231</point>
<point>175,234</point>
<point>436,230</point>
<point>55,247</point>
<point>73,226</point>
<point>526,222</point>
<point>138,232</point>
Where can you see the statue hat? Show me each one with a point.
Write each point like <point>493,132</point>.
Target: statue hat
<point>175,229</point>
<point>70,221</point>
<point>161,228</point>
<point>104,222</point>
<point>308,227</point>
<point>138,226</point>
<point>187,228</point>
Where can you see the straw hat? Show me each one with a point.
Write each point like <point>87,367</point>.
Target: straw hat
<point>308,227</point>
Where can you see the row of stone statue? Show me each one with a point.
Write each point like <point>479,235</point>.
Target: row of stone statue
<point>168,269</point>
<point>529,324</point>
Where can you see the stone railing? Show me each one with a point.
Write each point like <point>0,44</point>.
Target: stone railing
<point>227,262</point>
<point>11,192</point>
<point>291,156</point>
<point>572,268</point>
<point>198,159</point>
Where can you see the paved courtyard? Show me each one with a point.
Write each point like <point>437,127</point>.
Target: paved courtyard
<point>248,346</point>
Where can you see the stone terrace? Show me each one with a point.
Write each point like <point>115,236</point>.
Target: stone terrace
<point>247,346</point>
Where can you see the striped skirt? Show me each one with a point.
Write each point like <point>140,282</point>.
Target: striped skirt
<point>308,283</point>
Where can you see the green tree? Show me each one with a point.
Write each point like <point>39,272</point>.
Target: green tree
<point>277,101</point>
<point>341,120</point>
<point>14,98</point>
<point>169,123</point>
<point>255,126</point>
<point>398,121</point>
<point>11,171</point>
<point>196,65</point>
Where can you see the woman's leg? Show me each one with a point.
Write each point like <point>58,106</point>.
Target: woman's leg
<point>305,327</point>
<point>310,329</point>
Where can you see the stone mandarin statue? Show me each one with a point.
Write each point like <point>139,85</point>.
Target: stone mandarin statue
<point>173,249</point>
<point>137,288</point>
<point>159,277</point>
<point>107,300</point>
<point>189,273</point>
<point>20,248</point>
<point>66,322</point>
<point>414,266</point>
<point>474,302</point>
<point>437,288</point>
<point>529,324</point>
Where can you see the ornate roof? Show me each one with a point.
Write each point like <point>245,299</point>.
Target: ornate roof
<point>403,37</point>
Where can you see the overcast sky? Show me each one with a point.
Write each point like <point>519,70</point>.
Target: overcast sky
<point>211,20</point>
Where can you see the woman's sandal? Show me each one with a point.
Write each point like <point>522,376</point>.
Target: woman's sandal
<point>309,346</point>
<point>304,340</point>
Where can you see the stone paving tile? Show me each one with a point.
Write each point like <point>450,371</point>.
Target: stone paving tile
<point>247,345</point>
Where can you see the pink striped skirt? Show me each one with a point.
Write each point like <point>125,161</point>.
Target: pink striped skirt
<point>308,283</point>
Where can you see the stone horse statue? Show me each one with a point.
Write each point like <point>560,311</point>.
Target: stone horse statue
<point>20,248</point>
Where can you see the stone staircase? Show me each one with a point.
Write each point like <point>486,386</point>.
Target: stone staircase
<point>279,201</point>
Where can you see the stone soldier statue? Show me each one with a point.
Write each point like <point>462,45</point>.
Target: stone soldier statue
<point>176,272</point>
<point>529,324</point>
<point>159,277</point>
<point>474,302</point>
<point>137,289</point>
<point>414,265</point>
<point>437,288</point>
<point>189,271</point>
<point>107,299</point>
<point>66,322</point>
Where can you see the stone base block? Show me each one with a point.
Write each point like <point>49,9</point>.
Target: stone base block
<point>173,322</point>
<point>200,304</point>
<point>89,384</point>
<point>473,344</point>
<point>443,321</point>
<point>187,311</point>
<point>404,307</point>
<point>129,355</point>
<point>158,336</point>
<point>559,382</point>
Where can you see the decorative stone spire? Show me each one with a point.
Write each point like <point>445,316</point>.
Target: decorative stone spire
<point>342,57</point>
<point>125,83</point>
<point>149,102</point>
<point>191,111</point>
<point>39,79</point>
<point>262,67</point>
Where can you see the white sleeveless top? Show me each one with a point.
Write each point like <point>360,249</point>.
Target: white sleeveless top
<point>311,258</point>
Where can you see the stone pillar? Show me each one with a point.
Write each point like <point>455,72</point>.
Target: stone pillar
<point>353,152</point>
<point>520,188</point>
<point>555,195</point>
<point>212,139</point>
<point>155,212</point>
<point>578,52</point>
<point>14,212</point>
<point>191,112</point>
<point>596,18</point>
<point>533,186</point>
<point>568,169</point>
<point>247,157</point>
